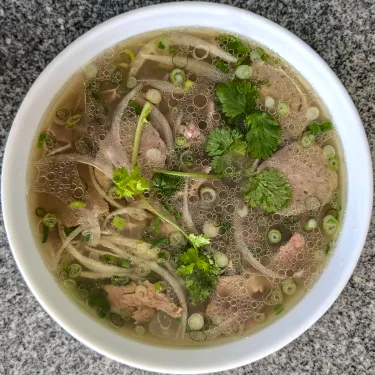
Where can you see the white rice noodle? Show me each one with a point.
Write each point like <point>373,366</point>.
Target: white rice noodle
<point>161,124</point>
<point>61,149</point>
<point>246,253</point>
<point>185,210</point>
<point>179,39</point>
<point>101,275</point>
<point>66,240</point>
<point>138,248</point>
<point>87,262</point>
<point>101,192</point>
<point>115,129</point>
<point>111,147</point>
<point>135,211</point>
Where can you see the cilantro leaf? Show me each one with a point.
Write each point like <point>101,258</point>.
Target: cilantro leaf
<point>263,135</point>
<point>222,65</point>
<point>219,164</point>
<point>160,45</point>
<point>320,128</point>
<point>137,107</point>
<point>199,272</point>
<point>234,46</point>
<point>129,184</point>
<point>269,189</point>
<point>222,140</point>
<point>266,57</point>
<point>198,241</point>
<point>237,98</point>
<point>166,185</point>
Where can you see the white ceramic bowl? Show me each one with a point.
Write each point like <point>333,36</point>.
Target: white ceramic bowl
<point>276,335</point>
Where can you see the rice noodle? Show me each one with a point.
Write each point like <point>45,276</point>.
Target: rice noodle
<point>98,275</point>
<point>112,148</point>
<point>246,253</point>
<point>136,247</point>
<point>137,213</point>
<point>115,250</point>
<point>178,38</point>
<point>101,192</point>
<point>120,110</point>
<point>87,262</point>
<point>198,67</point>
<point>66,240</point>
<point>161,124</point>
<point>96,251</point>
<point>60,149</point>
<point>94,225</point>
<point>185,210</point>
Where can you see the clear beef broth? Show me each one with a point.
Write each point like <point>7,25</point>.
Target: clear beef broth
<point>225,216</point>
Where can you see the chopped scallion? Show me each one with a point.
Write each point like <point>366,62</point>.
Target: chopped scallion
<point>289,286</point>
<point>274,236</point>
<point>72,121</point>
<point>221,260</point>
<point>161,286</point>
<point>330,225</point>
<point>119,280</point>
<point>74,270</point>
<point>77,204</point>
<point>118,222</point>
<point>63,114</point>
<point>308,139</point>
<point>45,233</point>
<point>259,317</point>
<point>39,211</point>
<point>125,263</point>
<point>279,309</point>
<point>158,242</point>
<point>163,256</point>
<point>177,76</point>
<point>333,164</point>
<point>129,53</point>
<point>311,224</point>
<point>283,109</point>
<point>116,319</point>
<point>243,72</point>
<point>50,220</point>
<point>329,151</point>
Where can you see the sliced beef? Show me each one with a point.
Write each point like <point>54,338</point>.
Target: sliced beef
<point>308,174</point>
<point>121,297</point>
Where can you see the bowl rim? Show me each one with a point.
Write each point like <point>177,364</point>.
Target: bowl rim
<point>241,351</point>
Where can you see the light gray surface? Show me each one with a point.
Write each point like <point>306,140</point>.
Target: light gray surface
<point>32,32</point>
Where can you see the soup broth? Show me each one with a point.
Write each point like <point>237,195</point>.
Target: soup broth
<point>186,187</point>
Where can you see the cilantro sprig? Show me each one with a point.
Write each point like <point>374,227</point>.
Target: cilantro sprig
<point>238,100</point>
<point>198,270</point>
<point>128,185</point>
